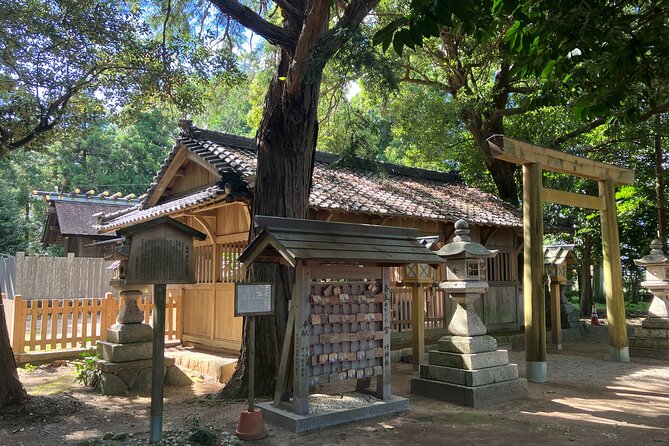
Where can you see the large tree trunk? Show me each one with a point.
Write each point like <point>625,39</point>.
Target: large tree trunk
<point>286,144</point>
<point>586,277</point>
<point>11,389</point>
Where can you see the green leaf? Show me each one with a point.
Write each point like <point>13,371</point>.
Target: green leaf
<point>548,70</point>
<point>398,43</point>
<point>385,35</point>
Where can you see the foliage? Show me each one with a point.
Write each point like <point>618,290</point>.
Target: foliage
<point>203,437</point>
<point>86,371</point>
<point>28,367</point>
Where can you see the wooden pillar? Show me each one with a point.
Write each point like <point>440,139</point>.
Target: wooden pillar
<point>613,279</point>
<point>418,324</point>
<point>556,320</point>
<point>157,364</point>
<point>383,385</point>
<point>301,346</point>
<point>533,287</point>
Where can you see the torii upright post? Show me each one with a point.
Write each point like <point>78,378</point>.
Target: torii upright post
<point>534,160</point>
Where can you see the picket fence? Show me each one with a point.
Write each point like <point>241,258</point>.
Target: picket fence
<point>55,324</point>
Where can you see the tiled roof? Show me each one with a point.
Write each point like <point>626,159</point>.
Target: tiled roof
<point>381,189</point>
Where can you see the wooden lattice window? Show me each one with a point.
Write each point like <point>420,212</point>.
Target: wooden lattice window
<point>501,268</point>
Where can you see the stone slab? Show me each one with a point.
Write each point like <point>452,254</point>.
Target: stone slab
<point>649,353</point>
<point>114,367</point>
<point>301,423</point>
<point>655,322</point>
<point>129,333</point>
<point>467,361</point>
<point>655,343</point>
<point>467,344</point>
<point>125,352</point>
<point>470,378</point>
<point>476,397</point>
<point>111,384</point>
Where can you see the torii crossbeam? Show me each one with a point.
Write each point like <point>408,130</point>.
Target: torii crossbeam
<point>535,160</point>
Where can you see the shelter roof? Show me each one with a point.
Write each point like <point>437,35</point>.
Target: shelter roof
<point>559,255</point>
<point>357,186</point>
<point>287,240</point>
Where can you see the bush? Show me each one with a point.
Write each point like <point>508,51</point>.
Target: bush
<point>87,372</point>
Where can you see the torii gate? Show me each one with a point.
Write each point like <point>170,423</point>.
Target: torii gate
<point>535,160</point>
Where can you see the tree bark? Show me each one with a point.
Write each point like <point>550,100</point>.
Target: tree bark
<point>286,141</point>
<point>11,389</point>
<point>586,300</point>
<point>660,195</point>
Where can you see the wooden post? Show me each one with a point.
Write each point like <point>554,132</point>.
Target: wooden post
<point>418,324</point>
<point>613,280</point>
<point>157,363</point>
<point>252,360</point>
<point>533,287</point>
<point>383,386</point>
<point>301,349</point>
<point>556,320</point>
<point>19,328</point>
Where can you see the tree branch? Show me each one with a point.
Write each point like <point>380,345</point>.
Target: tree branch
<point>249,19</point>
<point>291,11</point>
<point>334,39</point>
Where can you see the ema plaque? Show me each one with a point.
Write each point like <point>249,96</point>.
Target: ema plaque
<point>254,299</point>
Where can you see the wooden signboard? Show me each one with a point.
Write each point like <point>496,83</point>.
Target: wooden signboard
<point>254,299</point>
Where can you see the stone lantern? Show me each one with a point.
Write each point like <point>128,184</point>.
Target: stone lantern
<point>467,368</point>
<point>652,339</point>
<point>466,279</point>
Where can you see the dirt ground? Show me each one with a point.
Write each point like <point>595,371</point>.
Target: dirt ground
<point>588,400</point>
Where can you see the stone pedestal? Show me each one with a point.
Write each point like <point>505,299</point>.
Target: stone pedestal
<point>469,371</point>
<point>652,339</point>
<point>125,361</point>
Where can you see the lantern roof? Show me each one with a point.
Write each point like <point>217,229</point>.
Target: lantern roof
<point>656,256</point>
<point>463,244</point>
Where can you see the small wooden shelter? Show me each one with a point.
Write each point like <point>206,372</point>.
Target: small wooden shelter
<point>339,320</point>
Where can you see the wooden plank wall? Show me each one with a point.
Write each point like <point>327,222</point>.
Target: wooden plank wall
<point>58,277</point>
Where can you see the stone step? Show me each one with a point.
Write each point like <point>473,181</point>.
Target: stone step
<point>649,353</point>
<point>658,333</point>
<point>471,378</point>
<point>476,397</point>
<point>468,361</point>
<point>656,322</point>
<point>655,343</point>
<point>217,364</point>
<point>112,352</point>
<point>467,344</point>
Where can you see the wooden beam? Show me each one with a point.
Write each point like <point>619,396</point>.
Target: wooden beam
<point>572,199</point>
<point>613,278</point>
<point>301,339</point>
<point>202,163</point>
<point>418,324</point>
<point>166,179</point>
<point>556,319</point>
<point>533,286</point>
<point>520,152</point>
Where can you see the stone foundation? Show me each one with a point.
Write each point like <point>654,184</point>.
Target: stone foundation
<point>469,371</point>
<point>652,339</point>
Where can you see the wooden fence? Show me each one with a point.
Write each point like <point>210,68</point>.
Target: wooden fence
<point>53,324</point>
<point>435,309</point>
<point>53,277</point>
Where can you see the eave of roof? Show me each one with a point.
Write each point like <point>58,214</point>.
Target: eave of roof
<point>397,191</point>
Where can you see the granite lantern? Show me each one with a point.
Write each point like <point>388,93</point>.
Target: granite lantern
<point>466,279</point>
<point>652,339</point>
<point>467,368</point>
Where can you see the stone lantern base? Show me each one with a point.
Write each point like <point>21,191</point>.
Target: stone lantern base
<point>469,371</point>
<point>652,339</point>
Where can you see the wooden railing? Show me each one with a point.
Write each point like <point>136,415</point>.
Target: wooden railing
<point>400,304</point>
<point>53,324</point>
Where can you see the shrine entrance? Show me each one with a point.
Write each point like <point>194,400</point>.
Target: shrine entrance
<point>535,160</point>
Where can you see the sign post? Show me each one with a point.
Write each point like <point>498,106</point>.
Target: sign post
<point>161,252</point>
<point>251,300</point>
